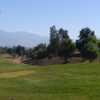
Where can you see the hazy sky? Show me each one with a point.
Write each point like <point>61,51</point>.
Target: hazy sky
<point>37,16</point>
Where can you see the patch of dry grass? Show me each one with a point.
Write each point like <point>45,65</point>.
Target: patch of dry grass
<point>16,74</point>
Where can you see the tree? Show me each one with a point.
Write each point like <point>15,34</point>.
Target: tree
<point>54,41</point>
<point>20,50</point>
<point>29,53</point>
<point>90,51</point>
<point>87,44</point>
<point>99,44</point>
<point>85,33</point>
<point>66,47</point>
<point>40,51</point>
<point>60,43</point>
<point>63,34</point>
<point>16,50</point>
<point>11,51</point>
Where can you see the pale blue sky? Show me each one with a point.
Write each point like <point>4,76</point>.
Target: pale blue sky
<point>37,16</point>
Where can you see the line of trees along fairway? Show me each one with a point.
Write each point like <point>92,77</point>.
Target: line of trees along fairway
<point>60,45</point>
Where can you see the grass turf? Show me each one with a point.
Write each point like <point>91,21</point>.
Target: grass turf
<point>54,82</point>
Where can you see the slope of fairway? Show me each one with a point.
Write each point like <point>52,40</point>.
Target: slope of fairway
<point>54,82</point>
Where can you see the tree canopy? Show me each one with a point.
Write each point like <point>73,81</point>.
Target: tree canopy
<point>87,44</point>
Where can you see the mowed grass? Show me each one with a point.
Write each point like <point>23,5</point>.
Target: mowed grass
<point>54,82</point>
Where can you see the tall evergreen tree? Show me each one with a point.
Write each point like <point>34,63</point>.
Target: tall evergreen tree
<point>54,41</point>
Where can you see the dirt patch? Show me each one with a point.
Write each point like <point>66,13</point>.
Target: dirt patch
<point>17,60</point>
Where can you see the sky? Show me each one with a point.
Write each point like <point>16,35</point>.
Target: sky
<point>36,16</point>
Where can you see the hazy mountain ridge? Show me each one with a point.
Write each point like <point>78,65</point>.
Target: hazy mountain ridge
<point>21,38</point>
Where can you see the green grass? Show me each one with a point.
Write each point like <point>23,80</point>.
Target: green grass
<point>54,82</point>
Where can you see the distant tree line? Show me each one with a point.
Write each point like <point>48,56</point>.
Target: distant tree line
<point>60,45</point>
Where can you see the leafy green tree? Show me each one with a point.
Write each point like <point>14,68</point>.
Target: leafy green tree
<point>11,50</point>
<point>40,51</point>
<point>20,50</point>
<point>85,33</point>
<point>99,44</point>
<point>66,46</point>
<point>90,51</point>
<point>87,44</point>
<point>29,53</point>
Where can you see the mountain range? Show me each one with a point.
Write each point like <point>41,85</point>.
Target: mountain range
<point>21,38</point>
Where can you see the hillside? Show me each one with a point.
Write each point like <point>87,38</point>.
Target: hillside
<point>21,38</point>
